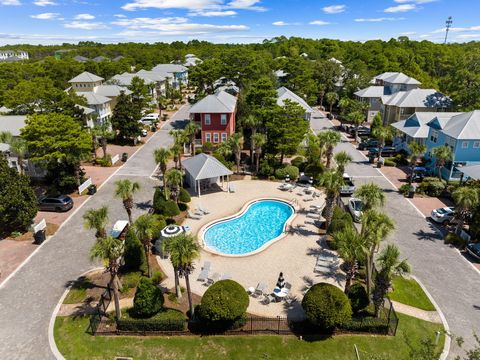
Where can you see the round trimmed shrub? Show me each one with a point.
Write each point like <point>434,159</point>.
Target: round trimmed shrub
<point>171,208</point>
<point>265,169</point>
<point>184,196</point>
<point>182,206</point>
<point>297,161</point>
<point>159,201</point>
<point>358,297</point>
<point>340,220</point>
<point>224,301</point>
<point>134,255</point>
<point>148,299</point>
<point>289,170</point>
<point>326,306</point>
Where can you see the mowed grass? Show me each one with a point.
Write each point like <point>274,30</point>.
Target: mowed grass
<point>74,343</point>
<point>409,292</point>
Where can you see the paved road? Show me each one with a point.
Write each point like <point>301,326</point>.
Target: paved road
<point>451,280</point>
<point>28,299</point>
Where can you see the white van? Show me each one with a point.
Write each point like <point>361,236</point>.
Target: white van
<point>149,119</point>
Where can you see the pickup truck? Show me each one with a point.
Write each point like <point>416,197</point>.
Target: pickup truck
<point>349,187</point>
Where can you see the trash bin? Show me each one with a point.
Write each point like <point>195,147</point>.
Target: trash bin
<point>124,157</point>
<point>380,162</point>
<point>411,192</point>
<point>39,237</point>
<point>371,159</point>
<point>92,189</point>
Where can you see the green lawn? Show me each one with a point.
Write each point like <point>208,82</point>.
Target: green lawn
<point>74,343</point>
<point>409,292</point>
<point>78,291</point>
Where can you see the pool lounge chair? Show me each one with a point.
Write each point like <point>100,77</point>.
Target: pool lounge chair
<point>205,211</point>
<point>314,216</point>
<point>260,289</point>
<point>268,299</point>
<point>206,265</point>
<point>231,188</point>
<point>203,276</point>
<point>316,223</point>
<point>215,277</point>
<point>193,216</point>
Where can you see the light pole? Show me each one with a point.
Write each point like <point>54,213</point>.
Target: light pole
<point>448,25</point>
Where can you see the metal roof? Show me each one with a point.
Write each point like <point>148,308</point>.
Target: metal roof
<point>221,102</point>
<point>86,77</point>
<point>370,92</point>
<point>170,68</point>
<point>417,126</point>
<point>465,126</point>
<point>154,75</point>
<point>396,78</point>
<point>86,110</point>
<point>418,98</point>
<point>203,166</point>
<point>283,94</point>
<point>81,58</point>
<point>111,90</point>
<point>472,171</point>
<point>125,79</point>
<point>94,99</point>
<point>12,123</point>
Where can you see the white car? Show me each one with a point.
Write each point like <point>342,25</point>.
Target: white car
<point>443,215</point>
<point>149,119</point>
<point>355,206</point>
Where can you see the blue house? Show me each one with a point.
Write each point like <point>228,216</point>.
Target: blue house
<point>462,134</point>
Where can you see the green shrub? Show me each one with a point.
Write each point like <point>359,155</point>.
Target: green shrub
<point>184,196</point>
<point>225,301</point>
<point>130,280</point>
<point>265,169</point>
<point>169,320</point>
<point>367,324</point>
<point>455,240</point>
<point>171,208</point>
<point>314,170</point>
<point>182,206</point>
<point>148,299</point>
<point>221,158</point>
<point>160,224</point>
<point>326,306</point>
<point>208,147</point>
<point>358,297</point>
<point>157,277</point>
<point>159,201</point>
<point>340,220</point>
<point>432,186</point>
<point>170,221</point>
<point>405,189</point>
<point>297,161</point>
<point>389,162</point>
<point>134,255</point>
<point>105,161</point>
<point>290,170</point>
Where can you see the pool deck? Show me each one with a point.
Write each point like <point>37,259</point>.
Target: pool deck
<point>294,254</point>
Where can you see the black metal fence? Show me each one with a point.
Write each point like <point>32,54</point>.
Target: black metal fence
<point>101,311</point>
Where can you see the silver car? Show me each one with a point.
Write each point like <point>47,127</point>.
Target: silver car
<point>355,206</point>
<point>443,215</point>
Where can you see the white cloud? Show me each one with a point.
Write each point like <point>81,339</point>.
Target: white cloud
<point>194,5</point>
<point>378,19</point>
<point>283,23</point>
<point>457,29</point>
<point>44,3</point>
<point>212,13</point>
<point>10,2</point>
<point>45,16</point>
<point>468,36</point>
<point>400,8</point>
<point>120,16</point>
<point>246,4</point>
<point>414,1</point>
<point>85,25</point>
<point>334,9</point>
<point>408,33</point>
<point>319,22</point>
<point>84,17</point>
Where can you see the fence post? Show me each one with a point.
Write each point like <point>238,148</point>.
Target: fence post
<point>278,325</point>
<point>251,325</point>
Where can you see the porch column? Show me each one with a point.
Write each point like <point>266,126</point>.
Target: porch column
<point>199,188</point>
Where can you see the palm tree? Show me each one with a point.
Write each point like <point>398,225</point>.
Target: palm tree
<point>252,122</point>
<point>352,247</point>
<point>97,219</point>
<point>321,139</point>
<point>332,98</point>
<point>371,195</point>
<point>103,130</point>
<point>416,150</point>
<point>390,264</point>
<point>124,189</point>
<point>330,139</point>
<point>174,180</point>
<point>313,150</point>
<point>342,158</point>
<point>466,199</point>
<point>183,251</point>
<point>442,154</point>
<point>332,183</point>
<point>382,134</point>
<point>110,250</point>
<point>162,156</point>
<point>18,146</point>
<point>376,226</point>
<point>236,144</point>
<point>179,139</point>
<point>191,131</point>
<point>259,140</point>
<point>357,118</point>
<point>145,228</point>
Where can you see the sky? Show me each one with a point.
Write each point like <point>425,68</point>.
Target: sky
<point>234,21</point>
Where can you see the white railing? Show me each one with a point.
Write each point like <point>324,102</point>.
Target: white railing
<point>85,185</point>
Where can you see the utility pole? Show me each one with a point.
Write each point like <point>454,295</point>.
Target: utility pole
<point>448,25</point>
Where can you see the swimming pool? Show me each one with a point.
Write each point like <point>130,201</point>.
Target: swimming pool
<point>261,222</point>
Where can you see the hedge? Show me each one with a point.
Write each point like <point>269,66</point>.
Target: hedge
<point>340,220</point>
<point>171,208</point>
<point>134,255</point>
<point>290,170</point>
<point>151,325</point>
<point>358,297</point>
<point>184,196</point>
<point>367,324</point>
<point>148,299</point>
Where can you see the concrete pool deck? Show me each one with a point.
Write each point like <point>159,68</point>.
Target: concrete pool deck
<point>294,254</point>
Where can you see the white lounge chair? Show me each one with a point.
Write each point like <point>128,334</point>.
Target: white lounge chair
<point>192,215</point>
<point>203,276</point>
<point>231,188</point>
<point>260,289</point>
<point>206,265</point>
<point>205,211</point>
<point>215,277</point>
<point>314,216</point>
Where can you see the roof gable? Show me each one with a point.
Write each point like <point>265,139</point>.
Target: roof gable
<point>86,77</point>
<point>465,126</point>
<point>283,94</point>
<point>203,166</point>
<point>220,102</point>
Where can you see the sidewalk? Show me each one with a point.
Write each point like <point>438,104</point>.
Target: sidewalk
<point>431,316</point>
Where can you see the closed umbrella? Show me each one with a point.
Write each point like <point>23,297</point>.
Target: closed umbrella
<point>281,281</point>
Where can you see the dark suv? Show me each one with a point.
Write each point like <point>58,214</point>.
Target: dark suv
<point>386,151</point>
<point>56,203</point>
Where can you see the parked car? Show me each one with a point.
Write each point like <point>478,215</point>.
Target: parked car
<point>368,144</point>
<point>55,203</point>
<point>144,132</point>
<point>362,131</point>
<point>443,215</point>
<point>418,174</point>
<point>349,187</point>
<point>355,206</point>
<point>386,151</point>
<point>474,250</point>
<point>149,119</point>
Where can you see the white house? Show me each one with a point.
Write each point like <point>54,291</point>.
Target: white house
<point>284,94</point>
<point>13,55</point>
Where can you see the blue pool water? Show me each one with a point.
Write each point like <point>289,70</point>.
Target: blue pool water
<point>261,222</point>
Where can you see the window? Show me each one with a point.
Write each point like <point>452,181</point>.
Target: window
<point>434,136</point>
<point>215,137</point>
<point>208,137</point>
<point>476,144</point>
<point>223,119</point>
<point>224,137</point>
<point>464,144</point>
<point>207,120</point>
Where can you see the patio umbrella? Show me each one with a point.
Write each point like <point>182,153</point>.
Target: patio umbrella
<point>281,281</point>
<point>171,230</point>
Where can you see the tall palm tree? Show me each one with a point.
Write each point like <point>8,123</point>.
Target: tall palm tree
<point>124,189</point>
<point>466,199</point>
<point>191,131</point>
<point>332,182</point>
<point>332,98</point>
<point>183,251</point>
<point>145,228</point>
<point>162,156</point>
<point>109,250</point>
<point>352,247</point>
<point>313,148</point>
<point>342,158</point>
<point>174,180</point>
<point>18,146</point>
<point>376,226</point>
<point>103,130</point>
<point>179,140</point>
<point>390,264</point>
<point>236,144</point>
<point>259,140</point>
<point>382,134</point>
<point>371,195</point>
<point>357,118</point>
<point>442,155</point>
<point>416,151</point>
<point>97,219</point>
<point>330,139</point>
<point>253,123</point>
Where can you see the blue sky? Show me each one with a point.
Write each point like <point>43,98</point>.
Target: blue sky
<point>58,21</point>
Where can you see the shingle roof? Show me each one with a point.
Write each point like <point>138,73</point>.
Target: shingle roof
<point>283,94</point>
<point>465,126</point>
<point>416,125</point>
<point>170,68</point>
<point>12,123</point>
<point>370,92</point>
<point>94,99</point>
<point>220,102</point>
<point>420,98</point>
<point>86,77</point>
<point>111,90</point>
<point>203,166</point>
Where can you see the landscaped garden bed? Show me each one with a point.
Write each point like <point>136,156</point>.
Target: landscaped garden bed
<point>409,292</point>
